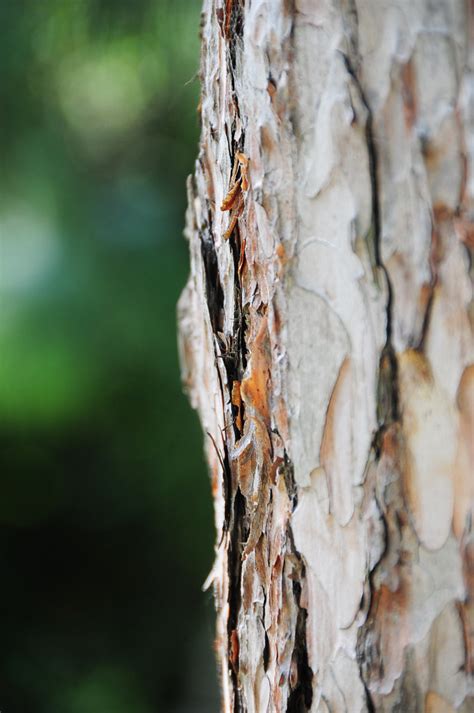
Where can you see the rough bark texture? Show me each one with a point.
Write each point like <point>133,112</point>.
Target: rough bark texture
<point>327,343</point>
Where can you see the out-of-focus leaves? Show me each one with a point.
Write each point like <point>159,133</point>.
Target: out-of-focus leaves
<point>105,520</point>
<point>106,690</point>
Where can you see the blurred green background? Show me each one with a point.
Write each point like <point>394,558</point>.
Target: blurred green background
<point>106,530</point>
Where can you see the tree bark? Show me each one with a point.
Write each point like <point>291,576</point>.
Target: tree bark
<point>327,343</point>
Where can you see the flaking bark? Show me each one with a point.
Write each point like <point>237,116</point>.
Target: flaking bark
<point>326,336</point>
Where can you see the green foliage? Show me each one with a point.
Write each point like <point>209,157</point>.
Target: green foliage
<point>105,519</point>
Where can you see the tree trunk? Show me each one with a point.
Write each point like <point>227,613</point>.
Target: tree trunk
<point>327,343</point>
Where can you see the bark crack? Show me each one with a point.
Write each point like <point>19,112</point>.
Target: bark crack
<point>301,676</point>
<point>387,385</point>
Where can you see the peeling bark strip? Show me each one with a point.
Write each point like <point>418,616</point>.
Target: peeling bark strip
<point>326,336</point>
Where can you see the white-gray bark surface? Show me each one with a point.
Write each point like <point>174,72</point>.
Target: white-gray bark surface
<point>327,343</point>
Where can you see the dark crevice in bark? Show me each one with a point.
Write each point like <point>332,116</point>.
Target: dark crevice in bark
<point>289,475</point>
<point>301,689</point>
<point>387,386</point>
<point>350,17</point>
<point>214,293</point>
<point>301,695</point>
<point>290,7</point>
<point>239,530</point>
<point>234,30</point>
<point>234,564</point>
<point>373,162</point>
<point>235,515</point>
<point>426,317</point>
<point>227,482</point>
<point>266,652</point>
<point>239,322</point>
<point>387,395</point>
<point>215,304</point>
<point>234,356</point>
<point>236,23</point>
<point>243,343</point>
<point>230,356</point>
<point>372,155</point>
<point>368,699</point>
<point>233,347</point>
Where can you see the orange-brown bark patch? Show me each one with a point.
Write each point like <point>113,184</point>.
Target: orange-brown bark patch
<point>466,608</point>
<point>414,366</point>
<point>465,231</point>
<point>434,703</point>
<point>409,94</point>
<point>237,402</point>
<point>271,89</point>
<point>255,388</point>
<point>234,648</point>
<point>231,196</point>
<point>464,464</point>
<point>245,466</point>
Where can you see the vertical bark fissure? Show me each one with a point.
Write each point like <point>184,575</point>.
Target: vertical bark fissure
<point>214,294</point>
<point>301,690</point>
<point>387,388</point>
<point>300,696</point>
<point>387,410</point>
<point>237,538</point>
<point>233,357</point>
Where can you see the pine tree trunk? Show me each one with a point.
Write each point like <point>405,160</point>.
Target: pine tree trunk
<point>327,343</point>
